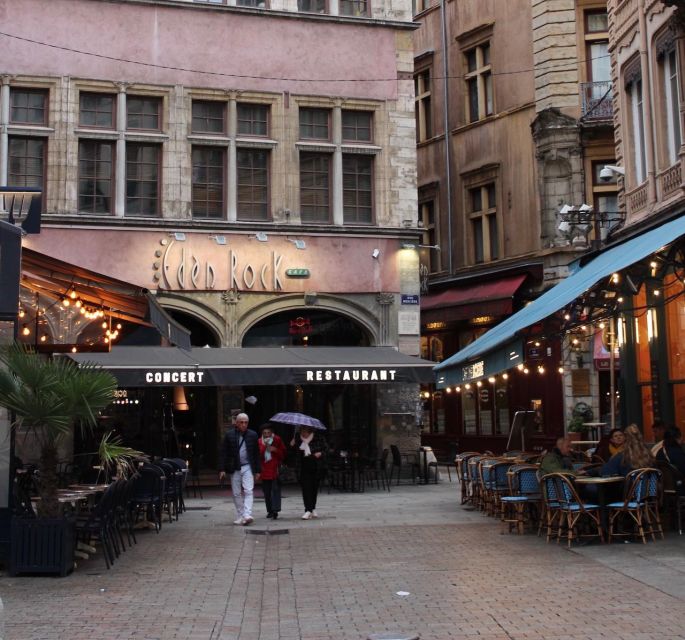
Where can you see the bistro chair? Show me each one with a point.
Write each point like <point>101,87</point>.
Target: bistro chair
<point>400,460</point>
<point>99,524</point>
<point>642,488</point>
<point>499,484</point>
<point>551,516</point>
<point>573,510</point>
<point>673,483</point>
<point>524,494</point>
<point>462,461</point>
<point>475,486</point>
<point>148,494</point>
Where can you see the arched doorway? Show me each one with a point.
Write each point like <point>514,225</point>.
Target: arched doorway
<point>348,410</point>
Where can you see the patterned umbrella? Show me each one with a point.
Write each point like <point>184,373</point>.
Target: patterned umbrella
<point>299,420</point>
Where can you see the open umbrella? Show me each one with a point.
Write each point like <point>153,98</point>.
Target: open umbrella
<point>298,419</point>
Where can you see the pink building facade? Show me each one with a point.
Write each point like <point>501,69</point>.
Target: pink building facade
<point>253,165</point>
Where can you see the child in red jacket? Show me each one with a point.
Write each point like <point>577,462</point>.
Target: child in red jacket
<point>272,453</point>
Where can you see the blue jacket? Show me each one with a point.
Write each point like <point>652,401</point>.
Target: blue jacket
<point>230,458</point>
<point>616,467</point>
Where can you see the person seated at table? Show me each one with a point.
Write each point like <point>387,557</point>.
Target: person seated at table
<point>610,445</point>
<point>558,459</point>
<point>635,455</point>
<point>672,449</point>
<point>658,429</point>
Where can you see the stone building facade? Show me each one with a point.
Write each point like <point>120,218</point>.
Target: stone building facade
<point>239,181</point>
<point>520,126</point>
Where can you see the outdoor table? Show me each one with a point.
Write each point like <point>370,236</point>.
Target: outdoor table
<point>89,487</point>
<point>602,501</point>
<point>595,428</point>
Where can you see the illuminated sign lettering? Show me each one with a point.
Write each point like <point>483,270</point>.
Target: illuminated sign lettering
<point>350,375</point>
<point>174,377</point>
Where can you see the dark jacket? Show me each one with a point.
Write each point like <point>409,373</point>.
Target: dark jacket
<point>615,466</point>
<point>673,454</point>
<point>230,458</point>
<point>318,444</point>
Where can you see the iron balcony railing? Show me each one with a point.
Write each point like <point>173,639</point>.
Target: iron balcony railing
<point>596,100</point>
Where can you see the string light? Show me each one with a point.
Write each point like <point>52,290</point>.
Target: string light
<point>479,384</point>
<point>561,370</point>
<point>25,330</point>
<point>491,380</point>
<point>505,376</point>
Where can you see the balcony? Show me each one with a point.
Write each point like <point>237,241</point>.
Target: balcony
<point>596,100</point>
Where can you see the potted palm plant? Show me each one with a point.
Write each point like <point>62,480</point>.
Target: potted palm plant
<point>48,398</point>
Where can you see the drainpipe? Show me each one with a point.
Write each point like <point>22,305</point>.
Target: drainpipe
<point>647,103</point>
<point>446,111</point>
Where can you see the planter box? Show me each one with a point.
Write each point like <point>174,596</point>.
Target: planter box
<point>41,546</point>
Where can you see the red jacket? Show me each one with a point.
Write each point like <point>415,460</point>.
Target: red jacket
<point>270,468</point>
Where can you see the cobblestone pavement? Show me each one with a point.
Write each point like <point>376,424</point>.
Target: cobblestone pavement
<point>338,577</point>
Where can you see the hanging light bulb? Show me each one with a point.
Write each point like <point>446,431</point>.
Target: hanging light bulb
<point>72,294</point>
<point>25,330</point>
<point>22,313</point>
<point>491,379</point>
<point>526,370</point>
<point>74,349</point>
<point>118,326</point>
<point>457,389</point>
<point>66,302</point>
<point>479,384</point>
<point>561,370</point>
<point>43,338</point>
<point>79,303</point>
<point>104,325</point>
<point>448,389</point>
<point>505,376</point>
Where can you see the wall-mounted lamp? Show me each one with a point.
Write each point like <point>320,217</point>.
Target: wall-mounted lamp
<point>375,253</point>
<point>261,236</point>
<point>178,235</point>
<point>299,244</point>
<point>219,239</point>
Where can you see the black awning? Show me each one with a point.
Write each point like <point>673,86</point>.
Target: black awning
<point>172,330</point>
<point>166,366</point>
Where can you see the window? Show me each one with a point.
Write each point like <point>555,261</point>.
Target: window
<point>637,128</point>
<point>422,105</point>
<point>28,106</point>
<point>358,189</point>
<point>26,166</point>
<point>357,126</point>
<point>257,4</point>
<point>95,168</point>
<point>430,238</point>
<point>209,116</point>
<point>420,5</point>
<point>253,119</point>
<point>483,214</point>
<point>97,110</point>
<point>143,113</point>
<point>314,187</point>
<point>354,7</point>
<point>253,184</point>
<point>669,72</point>
<point>142,179</point>
<point>314,124</point>
<point>597,46</point>
<point>478,82</point>
<point>208,182</point>
<point>312,6</point>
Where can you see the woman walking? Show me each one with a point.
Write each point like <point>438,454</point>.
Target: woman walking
<point>311,449</point>
<point>272,454</point>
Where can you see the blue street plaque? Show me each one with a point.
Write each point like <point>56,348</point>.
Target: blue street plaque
<point>409,299</point>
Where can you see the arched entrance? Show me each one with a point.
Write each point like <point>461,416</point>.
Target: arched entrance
<point>348,410</point>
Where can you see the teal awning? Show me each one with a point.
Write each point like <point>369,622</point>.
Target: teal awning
<point>490,353</point>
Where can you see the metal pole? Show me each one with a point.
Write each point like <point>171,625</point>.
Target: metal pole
<point>612,373</point>
<point>447,142</point>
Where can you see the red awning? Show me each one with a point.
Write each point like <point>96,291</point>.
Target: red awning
<point>493,298</point>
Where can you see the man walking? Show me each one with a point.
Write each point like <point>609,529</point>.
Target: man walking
<point>240,459</point>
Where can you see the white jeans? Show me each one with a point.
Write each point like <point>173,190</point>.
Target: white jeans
<point>242,484</point>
